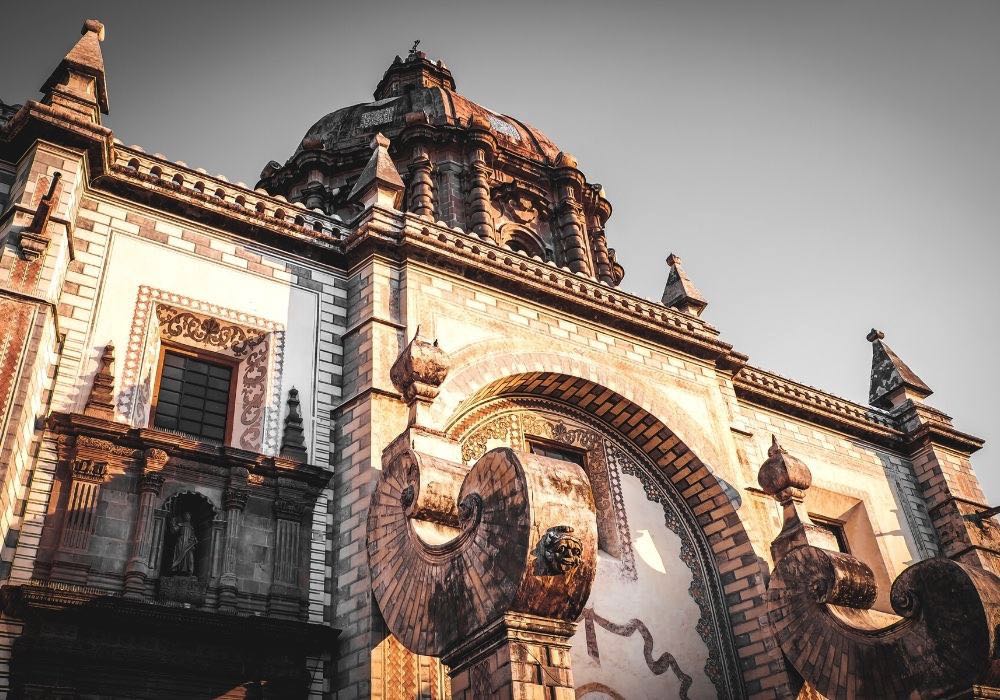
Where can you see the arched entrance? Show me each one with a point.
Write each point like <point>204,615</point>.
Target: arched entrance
<point>656,624</point>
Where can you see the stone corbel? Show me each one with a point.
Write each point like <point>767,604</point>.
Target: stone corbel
<point>34,238</point>
<point>942,641</point>
<point>428,528</point>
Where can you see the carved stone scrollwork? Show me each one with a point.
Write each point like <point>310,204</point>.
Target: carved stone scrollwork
<point>89,470</point>
<point>943,642</point>
<point>499,505</point>
<point>155,459</point>
<point>235,499</point>
<point>288,509</point>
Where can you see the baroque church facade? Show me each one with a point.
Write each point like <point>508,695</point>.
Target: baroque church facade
<point>385,425</point>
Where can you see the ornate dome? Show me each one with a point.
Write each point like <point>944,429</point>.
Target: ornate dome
<point>419,89</point>
<point>488,173</point>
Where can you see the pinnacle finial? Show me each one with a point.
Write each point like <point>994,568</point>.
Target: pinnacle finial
<point>293,444</point>
<point>680,292</point>
<point>893,383</point>
<point>78,85</point>
<point>413,50</point>
<point>93,25</point>
<point>379,183</point>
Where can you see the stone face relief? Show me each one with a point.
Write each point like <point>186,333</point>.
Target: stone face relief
<point>558,551</point>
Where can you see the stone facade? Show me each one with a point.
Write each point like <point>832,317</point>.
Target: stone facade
<point>458,460</point>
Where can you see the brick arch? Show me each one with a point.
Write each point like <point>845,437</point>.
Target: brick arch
<point>477,366</point>
<point>741,572</point>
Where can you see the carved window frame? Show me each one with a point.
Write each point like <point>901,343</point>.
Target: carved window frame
<point>205,356</point>
<point>257,342</point>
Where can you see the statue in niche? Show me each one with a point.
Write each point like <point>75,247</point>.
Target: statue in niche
<point>182,563</point>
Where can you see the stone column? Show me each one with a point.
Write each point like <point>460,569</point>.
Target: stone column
<point>284,597</point>
<point>234,500</point>
<point>481,144</point>
<point>80,519</point>
<point>422,187</point>
<point>569,214</point>
<point>517,656</point>
<point>140,550</point>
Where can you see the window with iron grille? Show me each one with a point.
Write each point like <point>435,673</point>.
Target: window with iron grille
<point>193,396</point>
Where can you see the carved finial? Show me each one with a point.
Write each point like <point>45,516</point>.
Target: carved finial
<point>95,26</point>
<point>680,292</point>
<point>893,383</point>
<point>293,444</point>
<point>101,402</point>
<point>787,478</point>
<point>420,369</point>
<point>78,84</point>
<point>379,183</point>
<point>413,50</point>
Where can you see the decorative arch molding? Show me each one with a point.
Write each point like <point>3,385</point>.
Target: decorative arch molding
<point>477,369</point>
<point>578,387</point>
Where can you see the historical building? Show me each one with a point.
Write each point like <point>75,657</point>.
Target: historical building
<point>386,426</point>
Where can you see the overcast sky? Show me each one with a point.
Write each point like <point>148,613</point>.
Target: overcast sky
<point>822,167</point>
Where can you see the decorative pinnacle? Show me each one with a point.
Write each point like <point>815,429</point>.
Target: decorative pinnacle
<point>413,49</point>
<point>380,141</point>
<point>93,25</point>
<point>893,383</point>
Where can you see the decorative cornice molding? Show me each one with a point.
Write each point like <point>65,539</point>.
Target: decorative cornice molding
<point>784,395</point>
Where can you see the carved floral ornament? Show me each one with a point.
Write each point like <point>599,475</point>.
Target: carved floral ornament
<point>229,337</point>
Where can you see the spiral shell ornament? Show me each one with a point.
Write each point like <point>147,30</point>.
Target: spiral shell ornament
<point>524,540</point>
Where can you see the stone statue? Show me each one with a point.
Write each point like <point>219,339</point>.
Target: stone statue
<point>183,561</point>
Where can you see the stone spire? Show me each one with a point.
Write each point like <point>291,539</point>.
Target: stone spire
<point>101,402</point>
<point>680,292</point>
<point>77,84</point>
<point>379,183</point>
<point>293,443</point>
<point>892,381</point>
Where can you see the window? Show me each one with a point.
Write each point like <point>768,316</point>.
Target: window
<point>194,395</point>
<point>566,454</point>
<point>832,536</point>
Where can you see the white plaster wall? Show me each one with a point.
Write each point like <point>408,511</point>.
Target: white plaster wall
<point>658,597</point>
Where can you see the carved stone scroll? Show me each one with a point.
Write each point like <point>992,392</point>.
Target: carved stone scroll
<point>943,642</point>
<point>525,554</point>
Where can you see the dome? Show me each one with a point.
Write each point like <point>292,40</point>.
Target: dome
<point>457,162</point>
<point>418,89</point>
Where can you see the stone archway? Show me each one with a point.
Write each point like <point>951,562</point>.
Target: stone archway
<point>735,575</point>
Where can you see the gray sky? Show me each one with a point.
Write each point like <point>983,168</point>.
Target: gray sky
<point>822,167</point>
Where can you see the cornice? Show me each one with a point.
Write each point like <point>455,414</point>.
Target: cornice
<point>406,236</point>
<point>182,447</point>
<point>773,391</point>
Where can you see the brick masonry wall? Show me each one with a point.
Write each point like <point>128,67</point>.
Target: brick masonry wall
<point>90,313</point>
<point>473,323</point>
